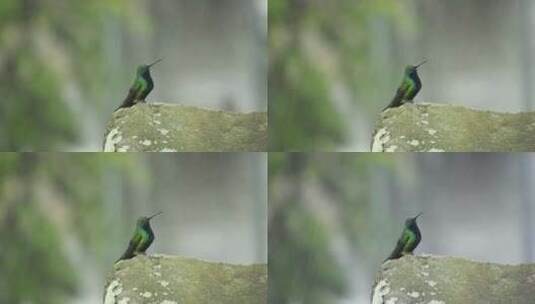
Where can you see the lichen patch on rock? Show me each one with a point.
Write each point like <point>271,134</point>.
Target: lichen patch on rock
<point>113,290</point>
<point>185,129</point>
<point>172,279</point>
<point>164,283</point>
<point>146,294</point>
<point>380,291</point>
<point>113,138</point>
<point>380,140</point>
<point>124,301</point>
<point>450,128</point>
<point>453,281</point>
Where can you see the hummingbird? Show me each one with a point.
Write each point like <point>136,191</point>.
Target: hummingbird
<point>142,86</point>
<point>142,238</point>
<point>410,238</point>
<point>409,87</point>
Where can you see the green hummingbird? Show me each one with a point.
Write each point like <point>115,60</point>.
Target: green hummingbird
<point>410,238</point>
<point>142,86</point>
<point>409,87</point>
<point>142,239</point>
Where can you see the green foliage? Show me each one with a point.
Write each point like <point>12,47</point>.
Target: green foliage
<point>299,115</point>
<point>8,10</point>
<point>317,50</point>
<point>49,48</point>
<point>302,268</point>
<point>33,119</point>
<point>80,180</point>
<point>300,265</point>
<point>347,179</point>
<point>276,163</point>
<point>33,263</point>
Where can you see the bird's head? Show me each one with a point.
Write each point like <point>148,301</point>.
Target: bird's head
<point>144,69</point>
<point>411,70</point>
<point>145,220</point>
<point>411,221</point>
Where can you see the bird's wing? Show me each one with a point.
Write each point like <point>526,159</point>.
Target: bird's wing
<point>396,101</point>
<point>139,87</point>
<point>142,245</point>
<point>410,89</point>
<point>129,253</point>
<point>129,100</point>
<point>131,247</point>
<point>404,87</point>
<point>405,237</point>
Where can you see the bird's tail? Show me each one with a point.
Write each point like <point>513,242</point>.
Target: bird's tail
<point>126,104</point>
<point>128,101</point>
<point>125,256</point>
<point>396,101</point>
<point>384,109</point>
<point>392,256</point>
<point>128,253</point>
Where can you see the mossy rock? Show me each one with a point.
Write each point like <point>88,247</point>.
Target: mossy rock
<point>180,280</point>
<point>449,128</point>
<point>176,128</point>
<point>449,280</point>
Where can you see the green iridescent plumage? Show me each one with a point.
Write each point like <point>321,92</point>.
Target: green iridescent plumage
<point>142,86</point>
<point>409,87</point>
<point>142,238</point>
<point>409,240</point>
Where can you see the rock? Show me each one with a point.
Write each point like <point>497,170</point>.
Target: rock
<point>178,280</point>
<point>176,128</point>
<point>449,128</point>
<point>449,280</point>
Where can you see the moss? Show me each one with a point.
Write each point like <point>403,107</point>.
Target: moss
<point>432,127</point>
<point>156,279</point>
<point>173,128</point>
<point>455,281</point>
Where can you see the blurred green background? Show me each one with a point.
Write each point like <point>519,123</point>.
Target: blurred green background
<point>335,217</point>
<point>334,65</point>
<point>66,65</point>
<point>322,63</point>
<point>65,218</point>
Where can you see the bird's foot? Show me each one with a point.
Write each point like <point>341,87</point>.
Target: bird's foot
<point>139,253</point>
<point>407,254</point>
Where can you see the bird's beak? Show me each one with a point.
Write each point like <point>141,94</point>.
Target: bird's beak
<point>418,215</point>
<point>155,62</point>
<point>419,64</point>
<point>150,217</point>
